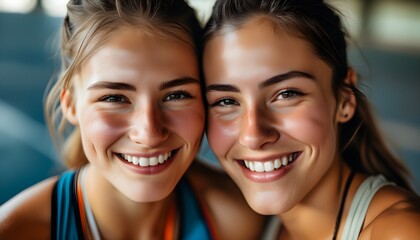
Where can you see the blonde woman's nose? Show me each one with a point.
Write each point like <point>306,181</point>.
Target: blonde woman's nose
<point>148,127</point>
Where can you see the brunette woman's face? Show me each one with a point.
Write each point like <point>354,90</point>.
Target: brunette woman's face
<point>272,114</point>
<point>139,108</point>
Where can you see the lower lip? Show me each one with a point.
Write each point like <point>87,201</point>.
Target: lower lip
<point>149,170</point>
<point>264,177</point>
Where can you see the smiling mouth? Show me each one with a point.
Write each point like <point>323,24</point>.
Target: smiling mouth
<point>148,161</point>
<point>270,166</point>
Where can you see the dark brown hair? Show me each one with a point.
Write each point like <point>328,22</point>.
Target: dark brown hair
<point>360,143</point>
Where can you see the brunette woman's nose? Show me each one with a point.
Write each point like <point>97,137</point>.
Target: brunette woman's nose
<point>256,130</point>
<point>148,127</point>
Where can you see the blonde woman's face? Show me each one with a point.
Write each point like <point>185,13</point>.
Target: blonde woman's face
<point>140,112</point>
<point>272,115</point>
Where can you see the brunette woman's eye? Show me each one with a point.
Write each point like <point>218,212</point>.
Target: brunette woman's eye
<point>288,94</point>
<point>177,96</point>
<point>114,99</point>
<point>225,102</point>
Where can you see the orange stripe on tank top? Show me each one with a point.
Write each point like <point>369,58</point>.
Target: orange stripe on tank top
<point>169,233</point>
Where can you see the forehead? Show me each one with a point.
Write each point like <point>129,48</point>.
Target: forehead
<point>130,53</point>
<point>135,41</point>
<point>258,47</point>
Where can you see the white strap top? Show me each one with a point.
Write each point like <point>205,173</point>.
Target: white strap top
<point>88,210</point>
<point>357,212</point>
<point>272,228</point>
<point>360,204</point>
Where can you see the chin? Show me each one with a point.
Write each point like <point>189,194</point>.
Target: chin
<point>268,209</point>
<point>267,204</point>
<point>145,198</point>
<point>262,208</point>
<point>148,194</point>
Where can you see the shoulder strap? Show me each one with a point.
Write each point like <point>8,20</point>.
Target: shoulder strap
<point>360,204</point>
<point>272,228</point>
<point>195,220</point>
<point>65,217</point>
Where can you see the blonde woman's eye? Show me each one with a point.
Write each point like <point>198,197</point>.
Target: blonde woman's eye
<point>114,99</point>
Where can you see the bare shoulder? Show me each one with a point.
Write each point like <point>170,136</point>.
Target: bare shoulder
<point>393,214</point>
<point>28,214</point>
<point>232,215</point>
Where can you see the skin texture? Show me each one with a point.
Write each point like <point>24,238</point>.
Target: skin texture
<point>142,119</point>
<point>270,96</point>
<point>263,124</point>
<point>138,95</point>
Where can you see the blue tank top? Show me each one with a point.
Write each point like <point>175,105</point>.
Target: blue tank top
<point>66,219</point>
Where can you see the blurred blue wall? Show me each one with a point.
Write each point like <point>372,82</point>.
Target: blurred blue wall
<point>26,65</point>
<point>28,61</point>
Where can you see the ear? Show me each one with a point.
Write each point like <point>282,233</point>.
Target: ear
<point>68,107</point>
<point>347,100</point>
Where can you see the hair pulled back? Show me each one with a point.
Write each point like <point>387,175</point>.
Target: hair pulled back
<point>360,143</point>
<point>87,25</point>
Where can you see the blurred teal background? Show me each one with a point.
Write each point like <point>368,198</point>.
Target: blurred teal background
<point>387,34</point>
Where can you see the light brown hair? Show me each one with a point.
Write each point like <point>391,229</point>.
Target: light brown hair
<point>85,28</point>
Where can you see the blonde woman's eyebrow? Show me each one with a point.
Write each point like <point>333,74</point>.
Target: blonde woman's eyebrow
<point>285,76</point>
<point>112,85</point>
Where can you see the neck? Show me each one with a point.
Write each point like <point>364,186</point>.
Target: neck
<point>118,217</point>
<point>319,208</point>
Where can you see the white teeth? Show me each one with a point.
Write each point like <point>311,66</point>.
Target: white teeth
<point>259,167</point>
<point>269,166</point>
<point>161,159</point>
<point>277,163</point>
<point>284,160</point>
<point>153,161</point>
<point>144,162</point>
<point>251,166</point>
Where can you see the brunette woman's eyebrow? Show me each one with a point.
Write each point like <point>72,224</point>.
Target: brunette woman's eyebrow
<point>178,82</point>
<point>222,88</point>
<point>285,76</point>
<point>112,85</point>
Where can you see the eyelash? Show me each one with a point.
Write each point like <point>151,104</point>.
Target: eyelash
<point>114,99</point>
<point>295,93</point>
<point>222,102</point>
<point>177,96</point>
<point>119,99</point>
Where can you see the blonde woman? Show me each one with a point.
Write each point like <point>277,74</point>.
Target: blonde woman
<point>131,88</point>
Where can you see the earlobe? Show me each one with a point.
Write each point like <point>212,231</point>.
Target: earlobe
<point>67,106</point>
<point>347,103</point>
